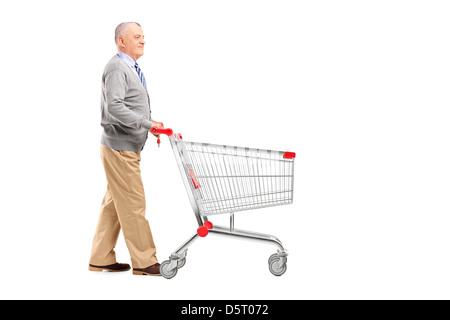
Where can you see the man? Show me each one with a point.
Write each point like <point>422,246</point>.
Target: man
<point>126,121</point>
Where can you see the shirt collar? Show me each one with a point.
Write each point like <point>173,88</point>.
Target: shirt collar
<point>128,60</point>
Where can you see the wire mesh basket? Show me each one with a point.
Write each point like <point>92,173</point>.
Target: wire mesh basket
<point>228,179</point>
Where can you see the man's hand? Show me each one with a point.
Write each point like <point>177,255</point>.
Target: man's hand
<point>158,125</point>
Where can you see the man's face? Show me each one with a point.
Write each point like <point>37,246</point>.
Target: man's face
<point>133,42</point>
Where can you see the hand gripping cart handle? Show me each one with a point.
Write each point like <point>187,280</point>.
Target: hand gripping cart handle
<point>226,179</point>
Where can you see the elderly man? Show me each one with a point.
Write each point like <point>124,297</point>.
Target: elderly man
<point>126,121</point>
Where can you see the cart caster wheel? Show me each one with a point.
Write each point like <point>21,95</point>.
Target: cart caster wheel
<point>272,257</point>
<point>181,263</point>
<point>164,272</point>
<point>273,267</point>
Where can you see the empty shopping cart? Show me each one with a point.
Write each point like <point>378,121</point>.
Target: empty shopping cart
<point>226,179</point>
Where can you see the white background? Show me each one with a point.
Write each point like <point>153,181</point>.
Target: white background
<point>358,89</point>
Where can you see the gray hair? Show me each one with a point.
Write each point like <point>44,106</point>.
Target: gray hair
<point>121,30</point>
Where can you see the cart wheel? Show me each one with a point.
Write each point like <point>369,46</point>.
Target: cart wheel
<point>181,263</point>
<point>272,257</point>
<point>273,267</point>
<point>164,272</point>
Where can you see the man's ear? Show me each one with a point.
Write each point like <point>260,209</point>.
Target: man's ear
<point>121,43</point>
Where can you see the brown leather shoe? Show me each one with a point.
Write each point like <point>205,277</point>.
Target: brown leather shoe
<point>116,267</point>
<point>151,271</point>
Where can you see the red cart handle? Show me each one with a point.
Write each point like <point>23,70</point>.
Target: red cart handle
<point>168,131</point>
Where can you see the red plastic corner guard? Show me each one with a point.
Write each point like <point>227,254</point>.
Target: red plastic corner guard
<point>289,155</point>
<point>208,224</point>
<point>203,230</point>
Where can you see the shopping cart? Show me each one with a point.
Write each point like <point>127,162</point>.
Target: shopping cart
<point>226,179</point>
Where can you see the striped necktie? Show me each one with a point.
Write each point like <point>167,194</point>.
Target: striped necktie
<point>141,75</point>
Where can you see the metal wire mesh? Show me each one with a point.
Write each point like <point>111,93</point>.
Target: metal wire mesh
<point>229,179</point>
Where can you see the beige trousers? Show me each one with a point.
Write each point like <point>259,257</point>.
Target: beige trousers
<point>123,207</point>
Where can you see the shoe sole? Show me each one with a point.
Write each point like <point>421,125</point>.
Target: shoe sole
<point>142,273</point>
<point>90,268</point>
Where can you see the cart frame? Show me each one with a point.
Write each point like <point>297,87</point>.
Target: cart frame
<point>168,268</point>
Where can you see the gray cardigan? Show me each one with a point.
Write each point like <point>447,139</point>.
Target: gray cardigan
<point>125,108</point>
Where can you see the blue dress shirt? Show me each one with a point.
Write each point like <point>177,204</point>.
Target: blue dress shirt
<point>129,61</point>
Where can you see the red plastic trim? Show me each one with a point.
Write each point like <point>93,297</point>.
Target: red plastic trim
<point>289,155</point>
<point>194,179</point>
<point>202,231</point>
<point>208,224</point>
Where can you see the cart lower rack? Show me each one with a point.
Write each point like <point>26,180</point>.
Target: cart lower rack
<point>226,179</point>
